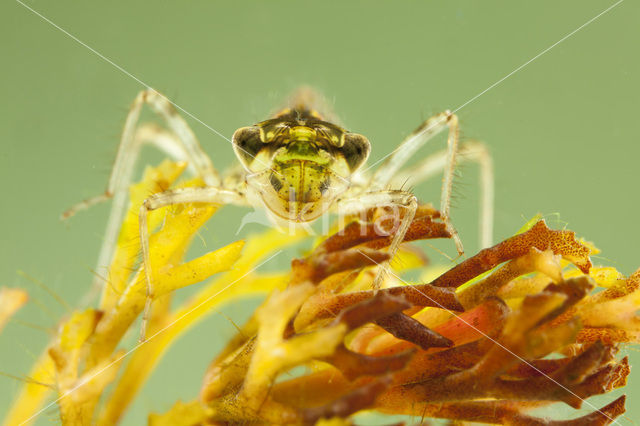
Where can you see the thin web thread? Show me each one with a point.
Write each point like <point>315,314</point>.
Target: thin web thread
<point>148,87</point>
<point>464,104</point>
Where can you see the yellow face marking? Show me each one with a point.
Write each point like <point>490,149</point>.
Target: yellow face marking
<point>300,164</point>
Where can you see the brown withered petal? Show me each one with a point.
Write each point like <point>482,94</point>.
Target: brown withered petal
<point>575,289</point>
<point>485,320</point>
<point>406,328</point>
<point>352,402</point>
<point>539,236</point>
<point>545,262</point>
<point>609,377</point>
<point>584,364</point>
<point>427,365</point>
<point>421,295</point>
<point>379,306</point>
<point>354,365</point>
<point>536,368</point>
<point>319,267</point>
<point>423,228</point>
<point>354,234</point>
<point>498,412</point>
<point>607,335</point>
<point>469,385</point>
<point>358,232</point>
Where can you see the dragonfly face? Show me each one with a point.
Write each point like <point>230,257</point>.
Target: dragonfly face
<point>298,163</point>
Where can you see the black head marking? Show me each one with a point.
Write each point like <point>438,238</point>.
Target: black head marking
<point>356,149</point>
<point>247,142</point>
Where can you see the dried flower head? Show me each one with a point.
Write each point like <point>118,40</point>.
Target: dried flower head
<point>515,327</point>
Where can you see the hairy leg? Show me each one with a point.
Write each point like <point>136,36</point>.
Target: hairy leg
<point>430,128</point>
<point>209,195</point>
<point>397,199</point>
<point>470,151</point>
<point>180,143</point>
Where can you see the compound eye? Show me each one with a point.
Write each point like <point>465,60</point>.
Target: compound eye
<point>247,143</point>
<point>355,149</point>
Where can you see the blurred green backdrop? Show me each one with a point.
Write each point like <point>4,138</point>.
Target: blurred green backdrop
<point>562,130</point>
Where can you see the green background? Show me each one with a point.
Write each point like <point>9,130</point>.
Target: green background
<point>562,130</point>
